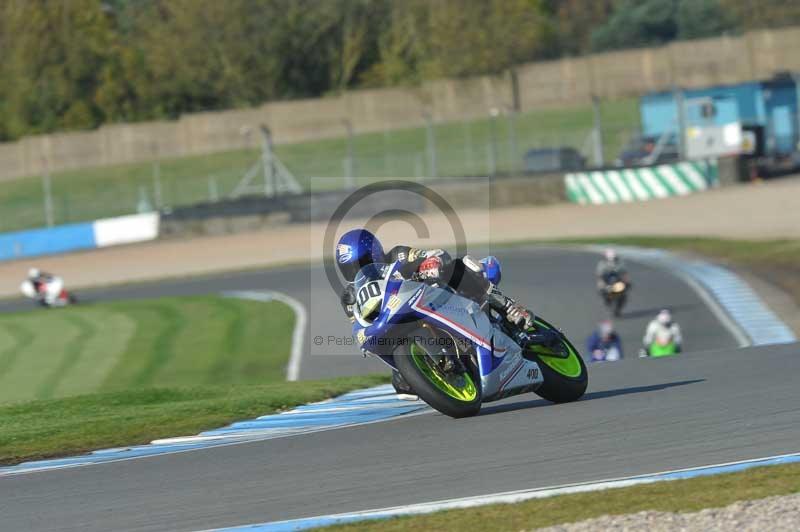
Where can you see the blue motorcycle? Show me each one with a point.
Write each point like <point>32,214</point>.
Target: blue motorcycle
<point>454,354</point>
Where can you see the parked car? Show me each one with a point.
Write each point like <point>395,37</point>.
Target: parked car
<point>639,151</point>
<point>559,159</point>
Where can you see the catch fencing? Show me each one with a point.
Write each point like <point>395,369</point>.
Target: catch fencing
<point>494,145</point>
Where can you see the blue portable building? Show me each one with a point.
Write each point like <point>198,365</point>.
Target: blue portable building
<point>771,105</point>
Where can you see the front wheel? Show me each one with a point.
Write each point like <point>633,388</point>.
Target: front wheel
<point>453,393</point>
<point>565,378</point>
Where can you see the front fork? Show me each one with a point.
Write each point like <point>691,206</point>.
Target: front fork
<point>437,349</point>
<point>540,336</point>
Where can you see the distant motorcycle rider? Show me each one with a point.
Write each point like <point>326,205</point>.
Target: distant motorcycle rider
<point>359,247</point>
<point>662,326</point>
<point>608,266</point>
<point>604,344</point>
<point>47,287</point>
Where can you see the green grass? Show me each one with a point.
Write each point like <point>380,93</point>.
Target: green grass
<point>58,427</point>
<point>462,149</point>
<point>673,496</point>
<point>189,341</point>
<point>127,372</point>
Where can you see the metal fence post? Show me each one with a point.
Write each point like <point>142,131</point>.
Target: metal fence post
<point>599,156</point>
<point>48,194</point>
<point>493,141</point>
<point>268,163</point>
<point>156,177</point>
<point>469,156</point>
<point>491,162</point>
<point>796,80</point>
<point>143,205</point>
<point>430,144</point>
<point>350,162</point>
<point>213,189</point>
<point>681,110</point>
<point>512,139</point>
<point>66,213</point>
<point>387,157</point>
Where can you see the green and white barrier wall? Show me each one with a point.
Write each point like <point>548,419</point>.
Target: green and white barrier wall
<point>641,184</point>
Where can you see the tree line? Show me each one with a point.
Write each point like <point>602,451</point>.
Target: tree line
<point>76,64</point>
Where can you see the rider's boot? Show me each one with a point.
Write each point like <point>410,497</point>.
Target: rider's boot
<point>521,320</point>
<point>402,388</point>
<point>467,277</point>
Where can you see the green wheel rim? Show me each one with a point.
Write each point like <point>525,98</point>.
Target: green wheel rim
<point>568,367</point>
<point>466,392</point>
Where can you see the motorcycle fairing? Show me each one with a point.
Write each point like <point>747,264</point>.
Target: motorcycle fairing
<point>503,369</point>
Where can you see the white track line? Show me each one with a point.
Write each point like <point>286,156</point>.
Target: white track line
<point>510,497</point>
<point>300,320</point>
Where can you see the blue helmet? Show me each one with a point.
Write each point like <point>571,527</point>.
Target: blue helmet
<point>356,249</point>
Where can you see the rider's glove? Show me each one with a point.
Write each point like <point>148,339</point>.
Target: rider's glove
<point>348,295</point>
<point>519,315</point>
<point>348,299</point>
<point>430,268</point>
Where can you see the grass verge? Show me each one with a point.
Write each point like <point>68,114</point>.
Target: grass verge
<point>171,341</point>
<point>673,496</point>
<point>41,429</point>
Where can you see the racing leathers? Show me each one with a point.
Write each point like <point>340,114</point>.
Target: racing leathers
<point>465,275</point>
<point>48,287</point>
<point>656,329</point>
<point>606,268</point>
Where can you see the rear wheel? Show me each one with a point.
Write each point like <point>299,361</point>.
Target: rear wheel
<point>565,378</point>
<point>619,302</point>
<point>456,393</point>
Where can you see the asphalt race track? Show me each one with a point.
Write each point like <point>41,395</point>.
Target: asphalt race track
<point>557,284</point>
<point>711,405</point>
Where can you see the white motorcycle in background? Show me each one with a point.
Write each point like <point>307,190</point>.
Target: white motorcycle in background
<point>50,293</point>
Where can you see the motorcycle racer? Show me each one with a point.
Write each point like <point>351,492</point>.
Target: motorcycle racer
<point>604,344</point>
<point>470,278</point>
<point>663,326</point>
<point>47,287</point>
<point>608,266</point>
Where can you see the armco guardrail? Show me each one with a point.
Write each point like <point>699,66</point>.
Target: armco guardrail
<point>641,184</point>
<point>74,237</point>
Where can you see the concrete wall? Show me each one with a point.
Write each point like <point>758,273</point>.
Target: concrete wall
<point>567,81</point>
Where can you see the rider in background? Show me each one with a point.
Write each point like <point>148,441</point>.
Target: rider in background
<point>609,265</point>
<point>48,287</point>
<point>604,344</point>
<point>662,326</point>
<point>473,279</point>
